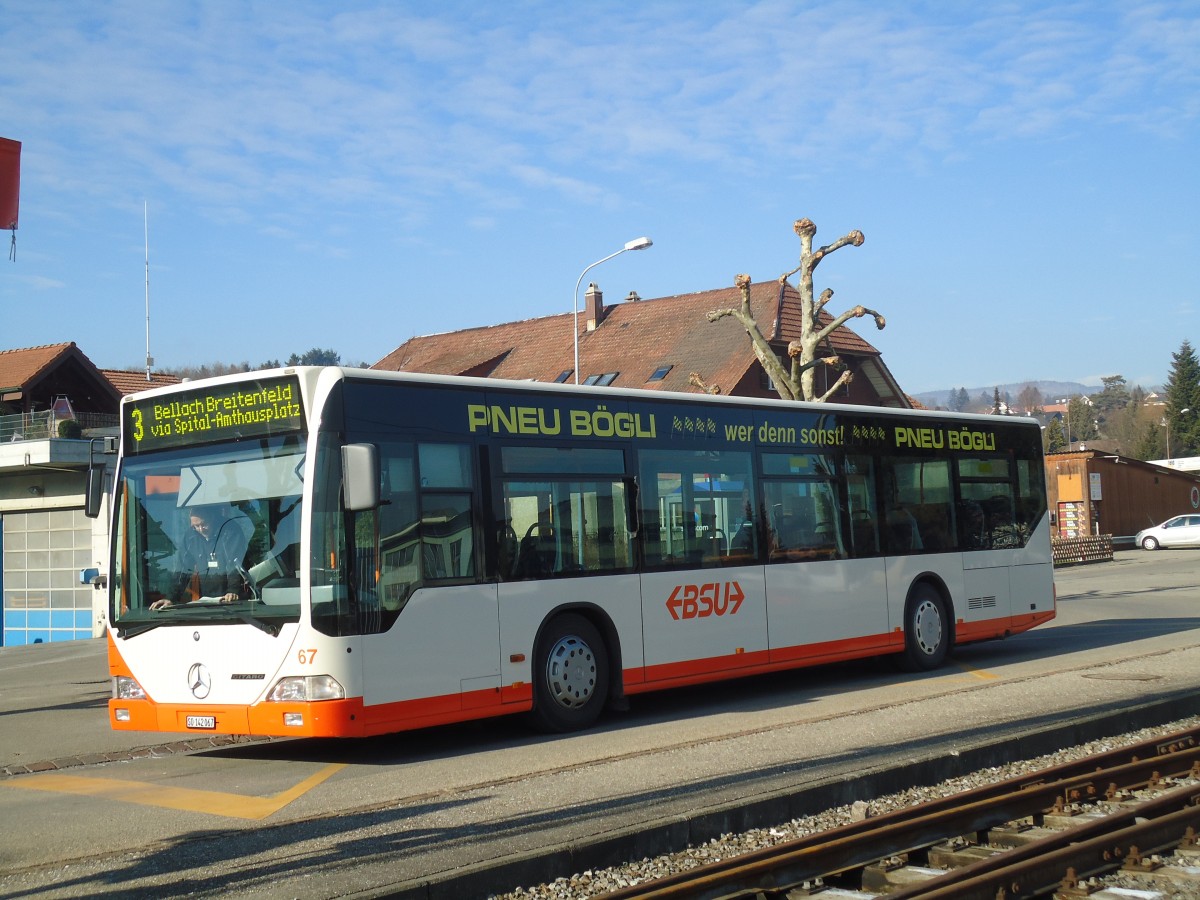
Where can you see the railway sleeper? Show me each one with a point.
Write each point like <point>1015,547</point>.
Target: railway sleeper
<point>882,879</point>
<point>1170,876</point>
<point>951,855</point>
<point>1018,835</point>
<point>1075,817</point>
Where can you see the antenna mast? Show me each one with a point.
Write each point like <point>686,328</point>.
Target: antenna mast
<point>149,358</point>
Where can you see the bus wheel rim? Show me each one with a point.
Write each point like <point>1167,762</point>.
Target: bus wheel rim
<point>928,630</point>
<point>571,672</point>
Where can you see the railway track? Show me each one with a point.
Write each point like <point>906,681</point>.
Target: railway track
<point>1037,835</point>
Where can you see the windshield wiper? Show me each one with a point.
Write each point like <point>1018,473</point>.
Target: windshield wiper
<point>272,630</point>
<point>205,615</point>
<point>133,630</point>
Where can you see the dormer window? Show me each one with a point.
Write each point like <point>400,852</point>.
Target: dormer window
<point>602,380</point>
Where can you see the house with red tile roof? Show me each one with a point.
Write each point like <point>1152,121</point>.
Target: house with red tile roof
<point>651,344</point>
<point>31,379</point>
<point>128,381</point>
<point>55,408</point>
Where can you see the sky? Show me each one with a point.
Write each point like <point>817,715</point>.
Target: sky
<point>348,175</point>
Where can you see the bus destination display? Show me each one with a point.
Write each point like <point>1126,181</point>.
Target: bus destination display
<point>220,412</point>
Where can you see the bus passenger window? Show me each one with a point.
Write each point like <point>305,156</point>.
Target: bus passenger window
<point>697,508</point>
<point>864,511</point>
<point>399,569</point>
<point>972,528</point>
<point>560,527</point>
<point>447,523</point>
<point>568,514</point>
<point>998,509</point>
<point>447,544</point>
<point>424,535</point>
<point>804,521</point>
<point>1032,496</point>
<point>918,505</point>
<point>804,512</point>
<point>986,510</point>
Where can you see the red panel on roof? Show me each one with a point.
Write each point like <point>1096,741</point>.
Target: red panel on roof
<point>10,181</point>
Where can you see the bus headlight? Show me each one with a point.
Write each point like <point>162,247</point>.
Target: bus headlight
<point>301,688</point>
<point>126,688</point>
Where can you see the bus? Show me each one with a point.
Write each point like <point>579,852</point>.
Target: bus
<point>386,551</point>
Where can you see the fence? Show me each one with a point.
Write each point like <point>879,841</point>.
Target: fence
<point>1089,549</point>
<point>38,426</point>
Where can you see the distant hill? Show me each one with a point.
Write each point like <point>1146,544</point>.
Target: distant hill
<point>1052,391</point>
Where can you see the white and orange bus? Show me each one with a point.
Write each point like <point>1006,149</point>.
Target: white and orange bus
<point>388,551</point>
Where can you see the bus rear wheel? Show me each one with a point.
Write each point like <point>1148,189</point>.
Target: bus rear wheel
<point>926,630</point>
<point>570,675</point>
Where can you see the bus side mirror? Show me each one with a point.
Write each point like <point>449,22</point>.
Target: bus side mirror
<point>360,476</point>
<point>94,491</point>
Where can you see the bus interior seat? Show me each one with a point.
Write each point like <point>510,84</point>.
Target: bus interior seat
<point>743,539</point>
<point>535,558</point>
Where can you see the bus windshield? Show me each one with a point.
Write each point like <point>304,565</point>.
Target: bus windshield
<point>209,534</point>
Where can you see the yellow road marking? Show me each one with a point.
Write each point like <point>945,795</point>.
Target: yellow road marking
<point>977,673</point>
<point>217,803</point>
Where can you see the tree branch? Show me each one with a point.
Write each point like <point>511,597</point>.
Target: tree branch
<point>762,349</point>
<point>856,313</point>
<point>695,380</point>
<point>795,351</point>
<point>798,383</point>
<point>846,377</point>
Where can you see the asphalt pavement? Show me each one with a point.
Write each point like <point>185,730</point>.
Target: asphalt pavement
<point>462,811</point>
<point>53,711</point>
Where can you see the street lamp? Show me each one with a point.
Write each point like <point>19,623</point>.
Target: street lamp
<point>1167,423</point>
<point>636,244</point>
<point>1067,402</point>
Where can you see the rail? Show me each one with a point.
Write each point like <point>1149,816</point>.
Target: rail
<point>775,870</point>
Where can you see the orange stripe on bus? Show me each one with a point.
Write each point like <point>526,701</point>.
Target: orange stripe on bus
<point>351,718</point>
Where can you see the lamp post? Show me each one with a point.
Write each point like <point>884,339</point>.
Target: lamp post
<point>636,244</point>
<point>1067,402</point>
<point>1167,423</point>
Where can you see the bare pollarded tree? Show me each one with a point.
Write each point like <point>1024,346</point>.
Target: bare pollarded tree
<point>811,350</point>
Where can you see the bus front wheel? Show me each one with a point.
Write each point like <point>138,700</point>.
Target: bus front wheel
<point>570,675</point>
<point>926,629</point>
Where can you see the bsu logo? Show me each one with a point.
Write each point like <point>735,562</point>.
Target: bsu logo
<point>699,601</point>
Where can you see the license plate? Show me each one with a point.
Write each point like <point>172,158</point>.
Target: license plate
<point>201,722</point>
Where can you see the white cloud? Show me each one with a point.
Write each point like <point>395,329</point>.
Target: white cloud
<point>267,105</point>
<point>36,283</point>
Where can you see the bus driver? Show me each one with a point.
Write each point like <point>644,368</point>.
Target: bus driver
<point>210,559</point>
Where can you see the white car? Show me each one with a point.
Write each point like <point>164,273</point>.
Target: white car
<point>1181,531</point>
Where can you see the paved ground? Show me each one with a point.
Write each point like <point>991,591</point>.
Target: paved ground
<point>54,711</point>
<point>457,812</point>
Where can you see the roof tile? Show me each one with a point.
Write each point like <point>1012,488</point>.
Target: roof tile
<point>633,339</point>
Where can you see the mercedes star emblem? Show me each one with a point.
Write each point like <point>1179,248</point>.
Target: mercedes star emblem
<point>199,680</point>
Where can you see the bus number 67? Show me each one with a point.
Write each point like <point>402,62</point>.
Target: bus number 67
<point>698,601</point>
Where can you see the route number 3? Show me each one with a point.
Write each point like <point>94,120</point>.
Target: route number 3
<point>307,657</point>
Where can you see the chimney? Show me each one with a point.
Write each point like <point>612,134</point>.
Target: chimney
<point>593,306</point>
